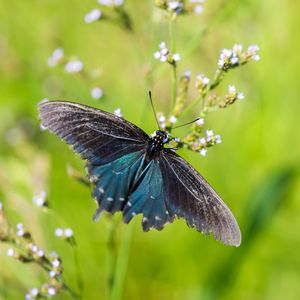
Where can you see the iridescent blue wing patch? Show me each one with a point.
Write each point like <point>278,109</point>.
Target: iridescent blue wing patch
<point>148,197</point>
<point>189,196</point>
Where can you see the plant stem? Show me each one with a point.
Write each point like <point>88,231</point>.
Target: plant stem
<point>174,67</point>
<point>111,251</point>
<point>122,262</point>
<point>78,269</point>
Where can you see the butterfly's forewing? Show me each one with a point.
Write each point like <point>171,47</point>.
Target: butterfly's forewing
<point>98,136</point>
<point>189,196</point>
<point>113,148</point>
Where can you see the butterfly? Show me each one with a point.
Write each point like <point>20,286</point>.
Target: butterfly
<point>136,174</point>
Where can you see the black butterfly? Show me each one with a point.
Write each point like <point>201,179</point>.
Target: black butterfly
<point>134,173</point>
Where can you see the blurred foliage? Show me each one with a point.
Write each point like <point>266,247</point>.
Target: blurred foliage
<point>255,169</point>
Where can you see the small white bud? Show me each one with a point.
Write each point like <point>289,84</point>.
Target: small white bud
<point>55,263</point>
<point>10,252</point>
<point>200,122</point>
<point>51,291</point>
<point>92,16</point>
<point>203,151</point>
<point>118,112</point>
<point>68,232</point>
<point>96,93</point>
<point>173,119</point>
<point>59,232</point>
<point>176,57</point>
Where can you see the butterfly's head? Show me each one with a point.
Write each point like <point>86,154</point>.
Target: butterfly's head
<point>157,140</point>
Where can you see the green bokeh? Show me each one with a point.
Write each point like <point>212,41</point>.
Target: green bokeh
<point>255,169</point>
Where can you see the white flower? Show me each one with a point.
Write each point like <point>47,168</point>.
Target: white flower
<point>198,9</point>
<point>96,93</point>
<point>234,60</point>
<point>10,252</point>
<point>58,53</point>
<point>34,248</point>
<point>40,253</point>
<point>52,273</point>
<point>162,45</point>
<point>231,89</point>
<point>203,141</point>
<point>253,48</point>
<point>51,291</point>
<point>237,49</point>
<point>59,232</point>
<point>53,254</point>
<point>119,2</point>
<point>176,57</point>
<point>218,139</point>
<point>200,122</point>
<point>203,151</point>
<point>209,133</point>
<point>20,231</point>
<point>34,292</point>
<point>55,263</point>
<point>92,16</point>
<point>19,226</point>
<point>177,140</point>
<point>173,119</point>
<point>162,119</point>
<point>1,206</point>
<point>74,66</point>
<point>163,59</point>
<point>157,55</point>
<point>68,232</point>
<point>56,56</point>
<point>187,74</point>
<point>173,5</point>
<point>256,57</point>
<point>105,2</point>
<point>203,80</point>
<point>240,96</point>
<point>40,199</point>
<point>118,112</point>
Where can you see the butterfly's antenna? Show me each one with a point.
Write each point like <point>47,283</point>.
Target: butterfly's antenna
<point>151,101</point>
<point>186,123</point>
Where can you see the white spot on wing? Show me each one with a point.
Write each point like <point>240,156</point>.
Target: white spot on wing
<point>109,199</point>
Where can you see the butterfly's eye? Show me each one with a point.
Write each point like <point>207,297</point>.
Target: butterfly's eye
<point>166,137</point>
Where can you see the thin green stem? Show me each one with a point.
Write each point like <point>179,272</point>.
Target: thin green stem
<point>111,259</point>
<point>122,262</point>
<point>174,85</point>
<point>79,278</point>
<point>174,66</point>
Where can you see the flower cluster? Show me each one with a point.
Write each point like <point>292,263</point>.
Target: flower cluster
<point>66,233</point>
<point>40,199</point>
<point>231,58</point>
<point>231,96</point>
<point>176,7</point>
<point>73,65</point>
<point>202,84</point>
<point>164,122</point>
<point>164,55</point>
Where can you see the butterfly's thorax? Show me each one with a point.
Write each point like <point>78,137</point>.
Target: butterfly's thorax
<point>157,141</point>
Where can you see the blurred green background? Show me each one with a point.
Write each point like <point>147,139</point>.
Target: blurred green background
<point>255,169</point>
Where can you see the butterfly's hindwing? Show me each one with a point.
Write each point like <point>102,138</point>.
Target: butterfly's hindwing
<point>114,180</point>
<point>189,196</point>
<point>148,197</point>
